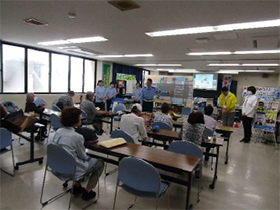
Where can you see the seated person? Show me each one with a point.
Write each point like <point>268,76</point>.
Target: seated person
<point>164,117</point>
<point>194,129</point>
<point>30,106</point>
<point>73,142</point>
<point>134,125</point>
<point>66,100</point>
<point>89,108</point>
<point>13,127</point>
<point>210,122</point>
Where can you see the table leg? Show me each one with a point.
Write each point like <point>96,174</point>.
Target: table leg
<point>212,185</point>
<point>226,162</point>
<point>111,128</point>
<point>188,205</point>
<point>31,159</point>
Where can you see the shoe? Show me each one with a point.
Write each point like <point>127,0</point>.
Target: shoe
<point>247,142</point>
<point>88,195</point>
<point>242,140</point>
<point>37,138</point>
<point>206,158</point>
<point>78,190</point>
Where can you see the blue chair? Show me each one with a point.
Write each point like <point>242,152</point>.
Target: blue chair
<point>55,122</point>
<point>162,125</point>
<point>10,106</point>
<point>56,108</point>
<point>120,108</point>
<point>186,111</point>
<point>140,179</point>
<point>117,133</point>
<point>6,141</point>
<point>62,165</point>
<point>39,101</point>
<point>191,149</point>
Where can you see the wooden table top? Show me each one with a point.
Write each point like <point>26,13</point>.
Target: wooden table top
<point>219,142</point>
<point>221,127</point>
<point>154,155</point>
<point>177,124</point>
<point>165,133</point>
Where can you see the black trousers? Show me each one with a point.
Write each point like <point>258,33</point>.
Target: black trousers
<point>247,126</point>
<point>108,104</point>
<point>100,105</point>
<point>148,106</point>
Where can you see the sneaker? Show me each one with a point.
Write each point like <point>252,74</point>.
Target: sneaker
<point>78,190</point>
<point>88,195</point>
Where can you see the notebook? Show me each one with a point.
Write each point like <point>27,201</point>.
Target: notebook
<point>112,143</point>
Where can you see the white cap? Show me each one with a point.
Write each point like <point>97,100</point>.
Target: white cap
<point>139,107</point>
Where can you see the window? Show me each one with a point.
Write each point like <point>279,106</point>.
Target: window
<point>76,74</point>
<point>38,71</point>
<point>13,69</point>
<point>89,75</point>
<point>60,70</point>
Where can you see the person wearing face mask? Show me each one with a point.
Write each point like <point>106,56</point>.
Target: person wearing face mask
<point>249,108</point>
<point>227,101</point>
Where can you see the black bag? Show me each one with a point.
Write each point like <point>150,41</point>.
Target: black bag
<point>88,134</point>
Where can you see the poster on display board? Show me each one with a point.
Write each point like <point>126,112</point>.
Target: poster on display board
<point>272,93</point>
<point>266,116</point>
<point>182,88</point>
<point>130,81</point>
<point>106,74</point>
<point>227,81</point>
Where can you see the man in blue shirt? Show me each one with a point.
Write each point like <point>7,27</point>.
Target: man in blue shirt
<point>137,93</point>
<point>110,93</point>
<point>100,95</point>
<point>148,93</point>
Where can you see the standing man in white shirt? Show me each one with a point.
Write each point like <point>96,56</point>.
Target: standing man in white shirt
<point>134,125</point>
<point>249,108</point>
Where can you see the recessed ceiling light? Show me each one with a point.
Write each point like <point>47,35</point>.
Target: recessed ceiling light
<point>256,52</point>
<point>183,71</point>
<point>228,72</point>
<point>219,28</point>
<point>138,55</point>
<point>150,64</point>
<point>210,53</point>
<point>110,56</point>
<point>247,70</point>
<point>244,64</point>
<point>224,64</point>
<point>76,40</point>
<point>126,55</point>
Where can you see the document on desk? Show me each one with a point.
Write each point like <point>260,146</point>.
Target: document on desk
<point>112,143</point>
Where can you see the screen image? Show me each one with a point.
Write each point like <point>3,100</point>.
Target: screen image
<point>205,81</point>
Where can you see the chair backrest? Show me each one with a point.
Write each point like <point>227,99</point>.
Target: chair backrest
<point>60,160</point>
<point>5,138</point>
<point>121,134</point>
<point>56,108</point>
<point>39,101</point>
<point>10,106</point>
<point>162,125</point>
<point>84,116</point>
<point>139,175</point>
<point>186,111</point>
<point>185,148</point>
<point>55,122</point>
<point>119,108</point>
<point>209,132</point>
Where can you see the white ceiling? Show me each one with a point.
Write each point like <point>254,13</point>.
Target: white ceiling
<point>126,30</point>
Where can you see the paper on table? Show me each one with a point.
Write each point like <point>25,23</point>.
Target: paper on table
<point>112,143</point>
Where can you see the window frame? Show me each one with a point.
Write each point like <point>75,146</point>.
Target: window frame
<point>50,52</point>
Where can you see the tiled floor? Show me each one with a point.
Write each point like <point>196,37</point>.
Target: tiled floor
<point>249,181</point>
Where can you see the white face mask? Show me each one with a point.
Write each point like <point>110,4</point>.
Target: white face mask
<point>249,93</point>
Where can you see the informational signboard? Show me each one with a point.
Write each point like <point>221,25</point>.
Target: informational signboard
<point>106,74</point>
<point>130,81</point>
<point>265,92</point>
<point>266,116</point>
<point>182,88</point>
<point>227,81</point>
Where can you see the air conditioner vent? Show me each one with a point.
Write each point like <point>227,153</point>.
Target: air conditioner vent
<point>35,22</point>
<point>124,5</point>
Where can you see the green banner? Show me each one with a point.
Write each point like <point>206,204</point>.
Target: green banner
<point>126,77</point>
<point>106,74</point>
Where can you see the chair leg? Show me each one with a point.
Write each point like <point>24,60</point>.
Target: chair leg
<point>115,197</point>
<point>157,202</point>
<point>135,199</point>
<point>71,195</point>
<point>43,186</point>
<point>13,158</point>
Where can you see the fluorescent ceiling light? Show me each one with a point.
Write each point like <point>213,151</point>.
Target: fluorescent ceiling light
<point>244,64</point>
<point>76,40</point>
<point>57,42</point>
<point>260,64</point>
<point>224,64</point>
<point>247,70</point>
<point>88,39</point>
<point>148,64</point>
<point>182,71</point>
<point>210,53</point>
<point>126,55</point>
<point>227,72</point>
<point>164,69</point>
<point>256,52</point>
<point>138,55</point>
<point>258,71</point>
<point>219,28</point>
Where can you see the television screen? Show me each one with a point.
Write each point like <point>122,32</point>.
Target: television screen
<point>205,81</point>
